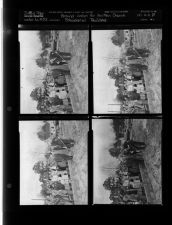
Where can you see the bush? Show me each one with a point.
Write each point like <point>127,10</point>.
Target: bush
<point>113,72</point>
<point>120,97</point>
<point>34,94</point>
<point>118,38</point>
<point>114,152</point>
<point>41,62</point>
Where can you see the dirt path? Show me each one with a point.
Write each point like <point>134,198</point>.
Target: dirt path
<point>151,39</point>
<point>78,130</point>
<point>149,131</point>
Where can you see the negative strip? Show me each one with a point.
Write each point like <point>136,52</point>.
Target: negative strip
<point>127,71</point>
<point>53,71</point>
<point>53,162</point>
<point>127,161</point>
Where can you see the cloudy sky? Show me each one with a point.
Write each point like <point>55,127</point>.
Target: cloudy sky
<point>104,137</point>
<point>104,89</point>
<point>30,73</point>
<point>31,149</point>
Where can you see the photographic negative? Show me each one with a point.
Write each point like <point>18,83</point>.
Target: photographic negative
<point>127,71</point>
<point>53,71</point>
<point>127,161</point>
<point>53,162</point>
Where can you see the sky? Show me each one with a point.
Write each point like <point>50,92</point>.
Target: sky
<point>104,137</point>
<point>30,148</point>
<point>104,89</point>
<point>30,73</point>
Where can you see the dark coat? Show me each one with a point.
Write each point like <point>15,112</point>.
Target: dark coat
<point>133,95</point>
<point>138,52</point>
<point>56,101</point>
<point>57,72</point>
<point>137,67</point>
<point>62,142</point>
<point>59,56</point>
<point>62,157</point>
<point>134,144</point>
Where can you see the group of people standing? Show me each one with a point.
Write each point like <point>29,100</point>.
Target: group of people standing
<point>132,66</point>
<point>53,95</point>
<point>60,149</point>
<point>58,184</point>
<point>59,58</point>
<point>126,186</point>
<point>131,147</point>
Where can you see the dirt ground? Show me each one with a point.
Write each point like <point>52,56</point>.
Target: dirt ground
<point>151,39</point>
<point>149,131</point>
<point>76,42</point>
<point>78,131</point>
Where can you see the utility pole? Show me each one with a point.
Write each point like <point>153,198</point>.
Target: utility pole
<point>105,58</point>
<point>109,168</point>
<point>115,111</point>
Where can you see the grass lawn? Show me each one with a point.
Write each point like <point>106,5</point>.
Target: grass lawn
<point>151,39</point>
<point>76,42</point>
<point>78,130</point>
<point>149,131</point>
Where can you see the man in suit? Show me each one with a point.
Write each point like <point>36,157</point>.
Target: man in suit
<point>59,58</point>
